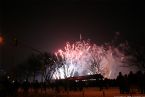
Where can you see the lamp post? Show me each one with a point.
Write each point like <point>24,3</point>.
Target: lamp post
<point>1,43</point>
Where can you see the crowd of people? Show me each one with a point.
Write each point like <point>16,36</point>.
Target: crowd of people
<point>127,84</point>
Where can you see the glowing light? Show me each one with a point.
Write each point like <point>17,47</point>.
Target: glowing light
<point>83,58</point>
<point>1,40</point>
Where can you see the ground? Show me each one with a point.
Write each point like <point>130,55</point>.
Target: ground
<point>87,92</point>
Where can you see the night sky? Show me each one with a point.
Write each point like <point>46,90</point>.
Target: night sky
<point>47,25</point>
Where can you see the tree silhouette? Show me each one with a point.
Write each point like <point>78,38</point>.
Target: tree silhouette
<point>48,67</point>
<point>34,65</point>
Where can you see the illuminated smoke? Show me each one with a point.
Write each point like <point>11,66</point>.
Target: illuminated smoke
<point>83,58</point>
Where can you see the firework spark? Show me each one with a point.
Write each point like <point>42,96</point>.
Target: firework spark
<point>83,58</point>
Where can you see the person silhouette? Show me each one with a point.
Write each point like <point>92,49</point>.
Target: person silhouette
<point>121,83</point>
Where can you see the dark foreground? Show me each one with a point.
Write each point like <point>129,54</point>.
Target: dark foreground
<point>86,92</point>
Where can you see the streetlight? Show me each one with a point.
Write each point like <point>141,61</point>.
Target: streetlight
<point>1,39</point>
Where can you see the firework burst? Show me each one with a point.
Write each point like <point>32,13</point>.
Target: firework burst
<point>83,58</point>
